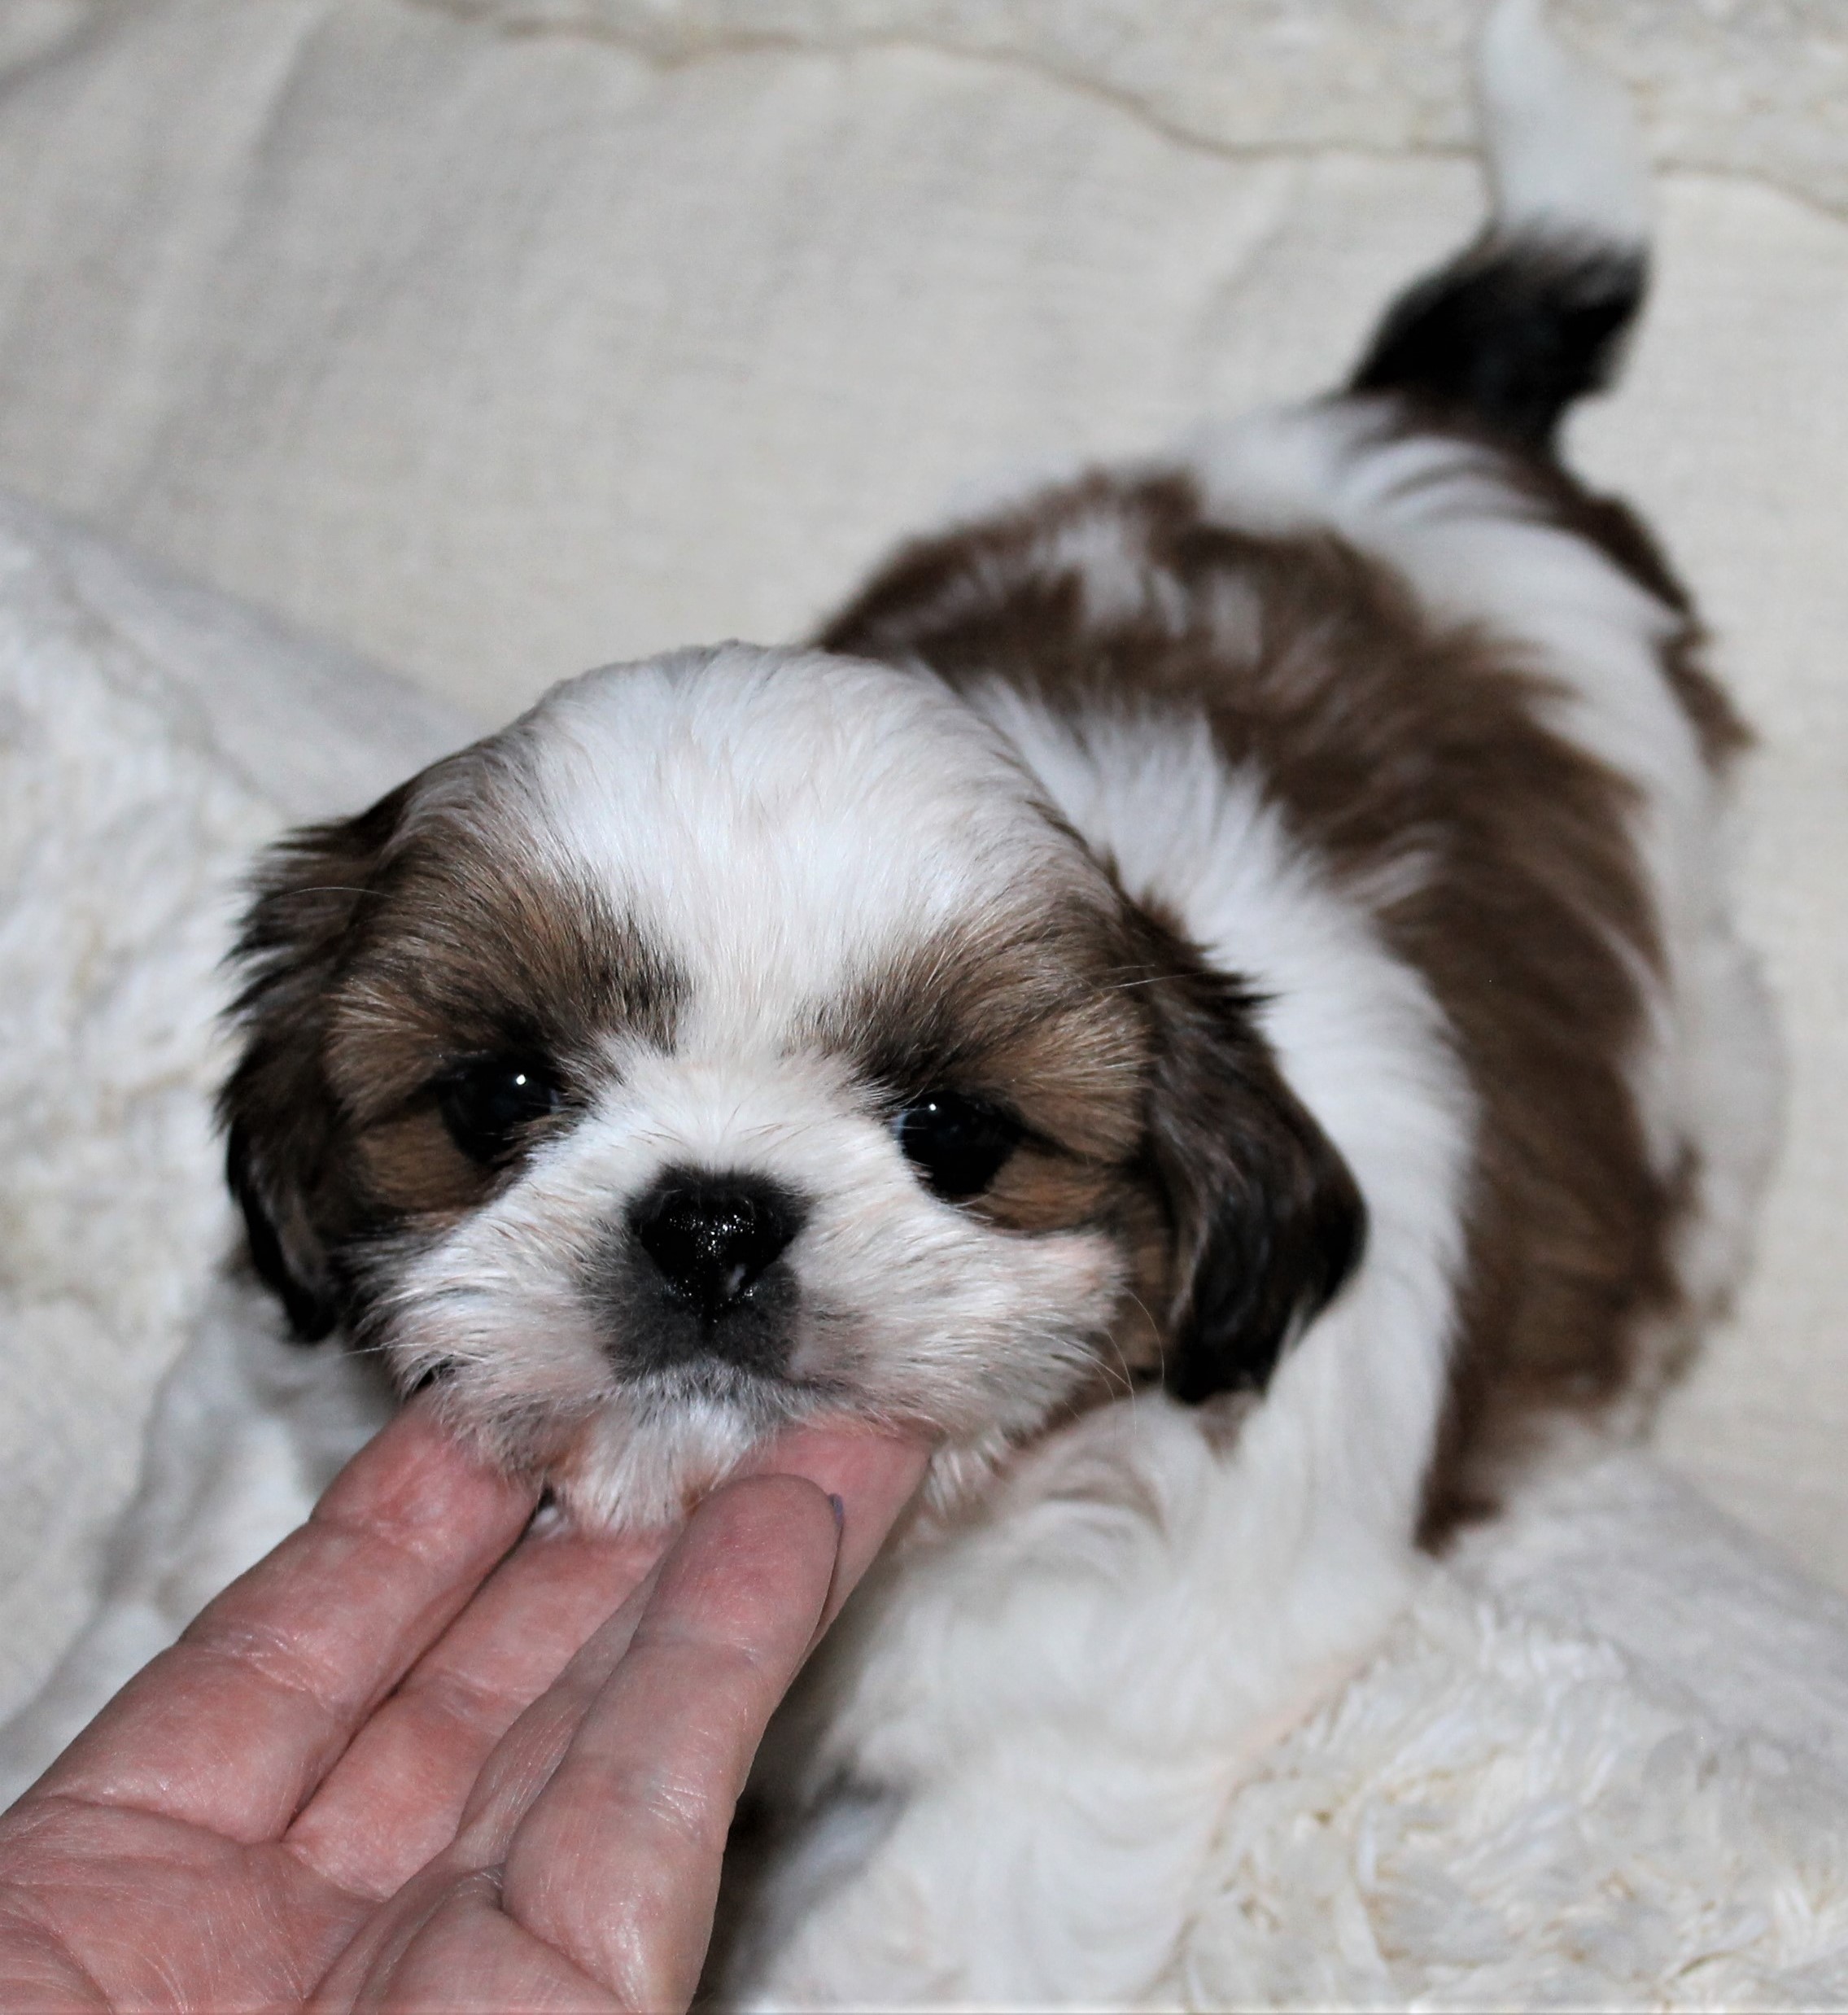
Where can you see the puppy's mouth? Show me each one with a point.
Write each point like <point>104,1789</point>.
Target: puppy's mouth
<point>660,1439</point>
<point>765,1398</point>
<point>691,1387</point>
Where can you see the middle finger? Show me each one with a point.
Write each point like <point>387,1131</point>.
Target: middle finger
<point>394,1799</point>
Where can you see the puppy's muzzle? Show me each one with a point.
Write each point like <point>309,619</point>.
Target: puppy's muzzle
<point>708,1253</point>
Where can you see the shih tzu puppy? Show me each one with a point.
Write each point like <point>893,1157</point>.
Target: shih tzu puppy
<point>1206,990</point>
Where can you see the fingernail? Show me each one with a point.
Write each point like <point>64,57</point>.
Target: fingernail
<point>840,1512</point>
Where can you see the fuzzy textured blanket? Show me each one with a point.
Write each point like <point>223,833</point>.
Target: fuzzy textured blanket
<point>1602,1761</point>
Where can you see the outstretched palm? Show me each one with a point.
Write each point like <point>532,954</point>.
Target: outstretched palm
<point>406,1762</point>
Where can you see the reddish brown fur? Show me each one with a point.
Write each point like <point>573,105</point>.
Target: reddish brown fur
<point>1376,731</point>
<point>378,961</point>
<point>1152,1107</point>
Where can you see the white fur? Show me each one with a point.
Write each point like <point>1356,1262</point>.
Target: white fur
<point>1057,1706</point>
<point>1563,156</point>
<point>742,803</point>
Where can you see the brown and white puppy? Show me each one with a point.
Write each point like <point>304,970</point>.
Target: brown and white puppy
<point>1207,991</point>
<point>745,1036</point>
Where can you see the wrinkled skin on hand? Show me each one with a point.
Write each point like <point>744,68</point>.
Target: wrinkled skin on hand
<point>422,1757</point>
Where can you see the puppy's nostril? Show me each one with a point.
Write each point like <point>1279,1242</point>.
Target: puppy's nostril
<point>711,1240</point>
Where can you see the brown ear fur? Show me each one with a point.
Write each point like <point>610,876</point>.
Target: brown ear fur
<point>1266,1219</point>
<point>279,1114</point>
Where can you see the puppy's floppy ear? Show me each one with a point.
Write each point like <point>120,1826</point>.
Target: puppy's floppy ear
<point>1267,1219</point>
<point>278,1113</point>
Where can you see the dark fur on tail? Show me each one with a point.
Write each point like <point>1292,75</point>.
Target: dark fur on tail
<point>1510,333</point>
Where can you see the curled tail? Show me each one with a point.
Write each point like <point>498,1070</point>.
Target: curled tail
<point>1532,315</point>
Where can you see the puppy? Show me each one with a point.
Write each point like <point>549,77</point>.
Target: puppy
<point>1206,989</point>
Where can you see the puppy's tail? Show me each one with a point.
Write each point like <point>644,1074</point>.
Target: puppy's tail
<point>1533,314</point>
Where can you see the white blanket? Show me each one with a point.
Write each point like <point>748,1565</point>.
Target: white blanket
<point>151,738</point>
<point>1602,1764</point>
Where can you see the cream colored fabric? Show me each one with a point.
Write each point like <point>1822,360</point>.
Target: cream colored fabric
<point>499,339</point>
<point>151,738</point>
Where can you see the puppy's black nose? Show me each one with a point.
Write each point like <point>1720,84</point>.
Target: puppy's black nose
<point>712,1236</point>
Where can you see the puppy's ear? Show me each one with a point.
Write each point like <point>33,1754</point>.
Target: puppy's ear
<point>1266,1219</point>
<point>281,1122</point>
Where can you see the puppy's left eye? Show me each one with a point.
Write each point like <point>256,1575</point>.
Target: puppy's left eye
<point>487,1104</point>
<point>957,1144</point>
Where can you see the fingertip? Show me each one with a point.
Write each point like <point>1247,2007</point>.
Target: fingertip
<point>783,1504</point>
<point>869,1474</point>
<point>758,1538</point>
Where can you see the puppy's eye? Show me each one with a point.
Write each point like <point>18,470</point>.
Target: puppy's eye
<point>485,1104</point>
<point>957,1144</point>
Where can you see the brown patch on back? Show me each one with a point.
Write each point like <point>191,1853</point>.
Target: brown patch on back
<point>1416,761</point>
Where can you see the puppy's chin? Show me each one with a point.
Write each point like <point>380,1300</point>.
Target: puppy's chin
<point>641,1463</point>
<point>650,1452</point>
<point>635,1455</point>
<point>642,1457</point>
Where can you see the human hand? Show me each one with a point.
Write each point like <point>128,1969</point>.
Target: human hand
<point>412,1760</point>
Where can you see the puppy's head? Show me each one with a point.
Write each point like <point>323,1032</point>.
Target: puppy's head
<point>736,1039</point>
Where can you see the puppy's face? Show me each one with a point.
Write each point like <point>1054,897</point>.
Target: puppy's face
<point>737,1038</point>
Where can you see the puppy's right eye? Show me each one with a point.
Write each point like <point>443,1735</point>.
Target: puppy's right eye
<point>488,1104</point>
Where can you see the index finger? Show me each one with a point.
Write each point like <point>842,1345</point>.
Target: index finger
<point>616,1863</point>
<point>233,1728</point>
